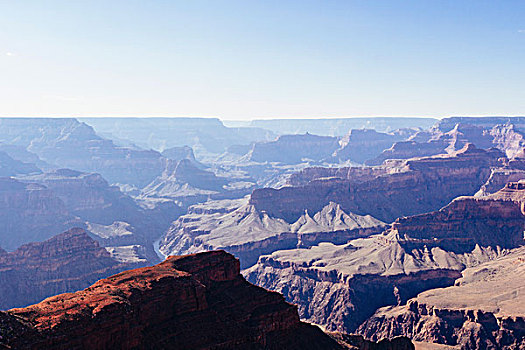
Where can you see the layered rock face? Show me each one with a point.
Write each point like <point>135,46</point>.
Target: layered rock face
<point>30,212</point>
<point>67,262</point>
<point>240,229</point>
<point>405,188</point>
<point>340,286</point>
<point>494,220</point>
<point>484,310</point>
<point>292,149</point>
<point>189,302</point>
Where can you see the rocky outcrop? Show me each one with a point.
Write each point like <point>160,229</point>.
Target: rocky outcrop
<point>179,153</point>
<point>188,302</point>
<point>67,262</point>
<point>484,310</point>
<point>240,229</point>
<point>401,188</point>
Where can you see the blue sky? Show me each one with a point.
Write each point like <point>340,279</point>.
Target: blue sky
<point>260,59</point>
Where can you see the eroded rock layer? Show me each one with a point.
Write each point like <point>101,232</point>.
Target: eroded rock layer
<point>67,262</point>
<point>484,310</point>
<point>399,189</point>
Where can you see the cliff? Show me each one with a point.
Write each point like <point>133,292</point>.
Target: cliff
<point>484,310</point>
<point>402,188</point>
<point>188,302</point>
<point>494,220</point>
<point>66,262</point>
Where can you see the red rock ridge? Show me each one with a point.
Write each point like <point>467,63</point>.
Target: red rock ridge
<point>196,301</point>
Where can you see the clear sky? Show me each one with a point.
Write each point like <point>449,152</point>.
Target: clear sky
<point>252,59</point>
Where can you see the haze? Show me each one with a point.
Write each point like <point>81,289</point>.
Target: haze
<point>246,59</point>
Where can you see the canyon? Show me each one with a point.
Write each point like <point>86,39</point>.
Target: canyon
<point>389,229</point>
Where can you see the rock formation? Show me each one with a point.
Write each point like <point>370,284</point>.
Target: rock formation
<point>188,302</point>
<point>397,189</point>
<point>64,263</point>
<point>442,139</point>
<point>484,310</point>
<point>340,126</point>
<point>242,230</point>
<point>30,212</point>
<point>360,145</point>
<point>494,220</point>
<point>290,149</point>
<point>179,153</point>
<point>205,135</point>
<point>93,204</point>
<point>186,183</point>
<point>447,124</point>
<point>67,143</point>
<point>340,286</point>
